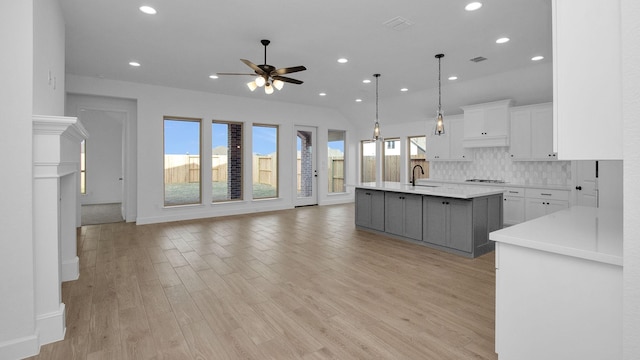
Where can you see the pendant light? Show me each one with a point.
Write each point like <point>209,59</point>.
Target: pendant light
<point>376,126</point>
<point>439,120</point>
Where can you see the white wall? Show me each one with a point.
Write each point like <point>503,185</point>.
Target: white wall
<point>155,102</point>
<point>48,58</point>
<point>630,14</point>
<point>17,315</point>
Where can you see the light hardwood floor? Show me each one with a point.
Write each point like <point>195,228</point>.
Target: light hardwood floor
<point>294,284</point>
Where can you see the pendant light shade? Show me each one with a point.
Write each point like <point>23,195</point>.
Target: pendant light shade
<point>268,89</point>
<point>376,126</point>
<point>439,118</point>
<point>252,85</point>
<point>260,81</point>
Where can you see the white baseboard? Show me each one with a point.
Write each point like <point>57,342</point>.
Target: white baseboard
<point>71,269</point>
<point>20,348</point>
<point>51,327</point>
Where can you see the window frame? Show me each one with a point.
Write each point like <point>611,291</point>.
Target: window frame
<point>384,158</point>
<point>408,158</point>
<point>344,162</point>
<point>164,139</point>
<point>277,157</point>
<point>362,168</point>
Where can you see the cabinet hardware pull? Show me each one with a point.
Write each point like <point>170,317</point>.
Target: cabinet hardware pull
<point>545,194</point>
<point>514,192</point>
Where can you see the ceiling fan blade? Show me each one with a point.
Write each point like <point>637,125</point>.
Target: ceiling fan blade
<point>253,66</point>
<point>288,70</point>
<point>287,79</point>
<point>220,73</point>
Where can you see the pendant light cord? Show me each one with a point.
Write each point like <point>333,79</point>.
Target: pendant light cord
<point>377,76</point>
<point>439,88</point>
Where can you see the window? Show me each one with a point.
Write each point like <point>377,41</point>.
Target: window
<point>83,167</point>
<point>391,164</point>
<point>181,161</point>
<point>368,161</point>
<point>226,161</point>
<point>265,161</point>
<point>335,152</point>
<point>418,156</point>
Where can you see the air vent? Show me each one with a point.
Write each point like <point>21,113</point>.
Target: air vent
<point>398,23</point>
<point>478,59</point>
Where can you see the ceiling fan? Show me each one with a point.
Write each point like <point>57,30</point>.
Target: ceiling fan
<point>267,75</point>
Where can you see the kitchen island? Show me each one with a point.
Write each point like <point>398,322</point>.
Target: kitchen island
<point>559,286</point>
<point>453,218</point>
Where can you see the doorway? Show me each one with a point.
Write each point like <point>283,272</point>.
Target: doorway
<point>306,174</point>
<point>103,197</point>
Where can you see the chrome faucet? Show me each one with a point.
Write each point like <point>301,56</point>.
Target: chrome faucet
<point>413,175</point>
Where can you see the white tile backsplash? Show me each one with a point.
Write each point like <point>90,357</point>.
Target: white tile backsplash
<point>496,163</point>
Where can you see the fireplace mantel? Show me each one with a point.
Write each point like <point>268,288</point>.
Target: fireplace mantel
<point>56,164</point>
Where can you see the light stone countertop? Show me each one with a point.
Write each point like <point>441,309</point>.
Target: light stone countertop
<point>581,232</point>
<point>458,191</point>
<point>506,184</point>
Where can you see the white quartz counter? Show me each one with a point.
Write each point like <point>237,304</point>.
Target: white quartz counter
<point>458,191</point>
<point>432,181</point>
<point>581,232</point>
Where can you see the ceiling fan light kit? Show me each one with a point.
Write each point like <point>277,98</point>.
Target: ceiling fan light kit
<point>267,75</point>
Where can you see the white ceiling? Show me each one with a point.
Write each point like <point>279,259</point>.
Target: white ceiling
<point>186,41</point>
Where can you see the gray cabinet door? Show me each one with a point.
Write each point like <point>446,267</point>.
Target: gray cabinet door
<point>377,210</point>
<point>403,215</point>
<point>394,213</point>
<point>460,225</point>
<point>363,207</point>
<point>435,212</point>
<point>370,209</point>
<point>413,216</point>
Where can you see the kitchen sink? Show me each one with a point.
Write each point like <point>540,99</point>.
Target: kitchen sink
<point>424,185</point>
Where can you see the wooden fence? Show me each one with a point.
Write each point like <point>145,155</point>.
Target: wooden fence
<point>186,169</point>
<point>336,175</point>
<point>391,168</point>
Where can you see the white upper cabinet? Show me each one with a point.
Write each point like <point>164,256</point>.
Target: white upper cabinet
<point>532,133</point>
<point>487,125</point>
<point>448,146</point>
<point>438,146</point>
<point>587,79</point>
<point>457,151</point>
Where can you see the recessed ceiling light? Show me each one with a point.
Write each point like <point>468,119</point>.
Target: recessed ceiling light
<point>537,58</point>
<point>214,76</point>
<point>502,40</point>
<point>323,94</point>
<point>148,10</point>
<point>404,89</point>
<point>134,63</point>
<point>343,60</point>
<point>473,6</point>
<point>358,100</point>
<point>366,81</point>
